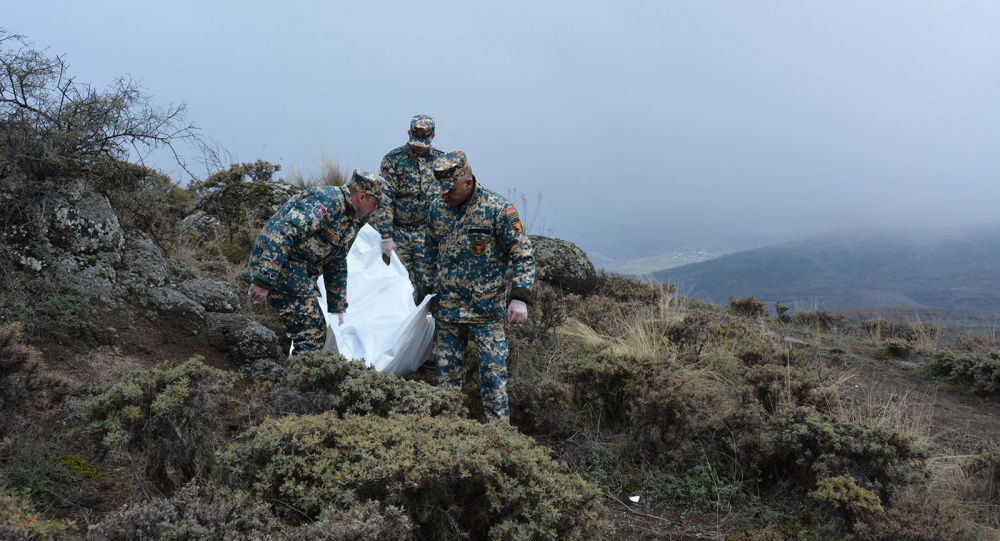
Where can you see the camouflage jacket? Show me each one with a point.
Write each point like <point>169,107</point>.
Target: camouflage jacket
<point>470,251</point>
<point>312,230</point>
<point>409,188</point>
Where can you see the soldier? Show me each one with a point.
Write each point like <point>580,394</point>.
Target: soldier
<point>307,237</point>
<point>410,188</point>
<point>474,240</point>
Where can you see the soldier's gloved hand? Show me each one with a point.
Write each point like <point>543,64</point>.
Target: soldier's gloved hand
<point>257,293</point>
<point>340,318</point>
<point>517,312</point>
<point>388,246</point>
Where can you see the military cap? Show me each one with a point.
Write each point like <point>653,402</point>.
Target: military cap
<point>451,166</point>
<point>366,182</point>
<point>421,131</point>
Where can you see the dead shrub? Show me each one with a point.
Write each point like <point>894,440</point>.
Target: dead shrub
<point>914,516</point>
<point>775,386</point>
<point>748,307</point>
<point>820,320</point>
<point>19,365</point>
<point>19,522</point>
<point>195,511</point>
<point>669,414</point>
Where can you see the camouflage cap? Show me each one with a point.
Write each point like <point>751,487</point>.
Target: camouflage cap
<point>421,131</point>
<point>366,182</point>
<point>451,166</point>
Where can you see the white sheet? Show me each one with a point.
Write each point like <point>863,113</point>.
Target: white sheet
<point>382,324</point>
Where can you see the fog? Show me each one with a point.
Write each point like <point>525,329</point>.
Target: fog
<point>626,127</point>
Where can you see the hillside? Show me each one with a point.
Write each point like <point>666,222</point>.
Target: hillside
<point>954,270</point>
<point>142,396</point>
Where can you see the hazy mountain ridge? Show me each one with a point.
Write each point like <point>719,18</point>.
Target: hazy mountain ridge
<point>955,269</point>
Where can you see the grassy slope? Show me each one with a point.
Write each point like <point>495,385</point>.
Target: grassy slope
<point>592,379</point>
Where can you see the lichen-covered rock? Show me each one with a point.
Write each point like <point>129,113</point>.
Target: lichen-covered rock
<point>563,264</point>
<point>214,295</point>
<point>144,264</point>
<point>83,222</point>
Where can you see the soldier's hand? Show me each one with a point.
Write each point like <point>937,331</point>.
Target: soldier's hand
<point>257,293</point>
<point>388,246</point>
<point>517,312</point>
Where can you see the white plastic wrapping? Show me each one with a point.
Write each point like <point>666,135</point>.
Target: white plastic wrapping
<point>382,324</point>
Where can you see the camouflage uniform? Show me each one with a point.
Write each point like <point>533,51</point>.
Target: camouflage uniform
<point>307,237</point>
<point>470,251</point>
<point>409,190</point>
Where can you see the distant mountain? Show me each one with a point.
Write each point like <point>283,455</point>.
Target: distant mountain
<point>955,270</point>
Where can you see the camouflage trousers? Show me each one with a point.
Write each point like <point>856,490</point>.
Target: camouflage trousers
<point>491,344</point>
<point>303,321</point>
<point>410,249</point>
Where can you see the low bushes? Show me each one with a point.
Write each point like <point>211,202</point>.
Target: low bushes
<point>978,370</point>
<point>454,477</point>
<point>318,382</point>
<point>19,522</point>
<point>171,420</point>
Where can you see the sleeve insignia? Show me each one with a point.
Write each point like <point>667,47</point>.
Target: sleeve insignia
<point>511,211</point>
<point>319,211</point>
<point>517,226</point>
<point>385,172</point>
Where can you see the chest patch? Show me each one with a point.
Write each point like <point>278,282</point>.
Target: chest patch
<point>478,248</point>
<point>319,211</point>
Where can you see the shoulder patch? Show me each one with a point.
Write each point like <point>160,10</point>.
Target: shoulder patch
<point>385,172</point>
<point>511,211</point>
<point>319,211</point>
<point>516,225</point>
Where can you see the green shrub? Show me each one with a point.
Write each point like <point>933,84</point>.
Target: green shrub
<point>844,494</point>
<point>318,382</point>
<point>453,476</point>
<point>18,522</point>
<point>172,419</point>
<point>978,370</point>
<point>748,307</point>
<point>802,445</point>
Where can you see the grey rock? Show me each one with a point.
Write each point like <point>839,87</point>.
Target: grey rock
<point>200,226</point>
<point>176,308</point>
<point>214,295</point>
<point>268,369</point>
<point>243,339</point>
<point>563,264</point>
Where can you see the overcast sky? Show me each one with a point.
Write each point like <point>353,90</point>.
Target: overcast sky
<point>642,125</point>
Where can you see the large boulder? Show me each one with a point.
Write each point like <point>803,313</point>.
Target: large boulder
<point>563,264</point>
